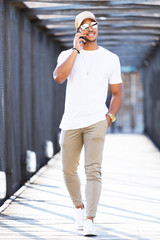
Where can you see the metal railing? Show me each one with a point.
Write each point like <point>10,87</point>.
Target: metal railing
<point>31,103</point>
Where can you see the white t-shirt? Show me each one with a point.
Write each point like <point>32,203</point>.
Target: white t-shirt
<point>87,87</point>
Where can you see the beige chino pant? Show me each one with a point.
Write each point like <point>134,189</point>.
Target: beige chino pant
<point>72,141</point>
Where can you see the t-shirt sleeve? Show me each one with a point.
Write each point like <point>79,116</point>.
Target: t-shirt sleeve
<point>115,76</point>
<point>63,56</point>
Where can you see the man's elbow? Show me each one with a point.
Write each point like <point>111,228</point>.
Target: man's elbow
<point>58,78</point>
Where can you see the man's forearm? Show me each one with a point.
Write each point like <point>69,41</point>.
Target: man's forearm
<point>114,107</point>
<point>116,99</point>
<point>115,104</point>
<point>62,71</point>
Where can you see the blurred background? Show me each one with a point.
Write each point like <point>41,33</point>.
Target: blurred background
<point>32,34</point>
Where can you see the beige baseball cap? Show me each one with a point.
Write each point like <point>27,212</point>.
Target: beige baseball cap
<point>82,16</point>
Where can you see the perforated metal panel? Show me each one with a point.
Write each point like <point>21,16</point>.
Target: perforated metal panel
<point>151,82</point>
<point>28,105</point>
<point>2,110</point>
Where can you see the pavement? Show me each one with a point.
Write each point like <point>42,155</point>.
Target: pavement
<point>129,207</point>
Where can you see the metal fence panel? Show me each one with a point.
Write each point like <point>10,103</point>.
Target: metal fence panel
<point>2,111</point>
<point>29,98</point>
<point>151,83</point>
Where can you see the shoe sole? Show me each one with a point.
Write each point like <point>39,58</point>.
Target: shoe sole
<point>90,234</point>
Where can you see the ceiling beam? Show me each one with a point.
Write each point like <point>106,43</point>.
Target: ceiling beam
<point>121,27</point>
<point>131,29</point>
<point>101,10</point>
<point>119,37</point>
<point>110,31</point>
<point>70,21</point>
<point>93,2</point>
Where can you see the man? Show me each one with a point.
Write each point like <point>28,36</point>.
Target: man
<point>89,69</point>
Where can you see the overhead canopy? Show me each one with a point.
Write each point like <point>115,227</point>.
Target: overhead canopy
<point>131,29</point>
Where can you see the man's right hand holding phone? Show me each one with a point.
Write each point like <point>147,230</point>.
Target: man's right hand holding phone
<point>79,41</point>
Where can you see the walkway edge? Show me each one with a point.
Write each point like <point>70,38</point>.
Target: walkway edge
<point>27,184</point>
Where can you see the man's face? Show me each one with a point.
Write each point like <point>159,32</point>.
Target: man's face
<point>92,32</point>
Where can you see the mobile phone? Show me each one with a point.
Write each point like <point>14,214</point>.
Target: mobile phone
<point>81,37</point>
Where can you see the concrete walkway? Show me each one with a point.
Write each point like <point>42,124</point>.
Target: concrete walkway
<point>129,206</point>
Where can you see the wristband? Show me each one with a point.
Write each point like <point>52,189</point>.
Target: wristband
<point>75,49</point>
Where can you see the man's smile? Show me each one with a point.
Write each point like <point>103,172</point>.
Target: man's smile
<point>91,34</point>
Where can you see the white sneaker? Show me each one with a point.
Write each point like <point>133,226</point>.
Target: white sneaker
<point>89,228</point>
<point>79,218</point>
